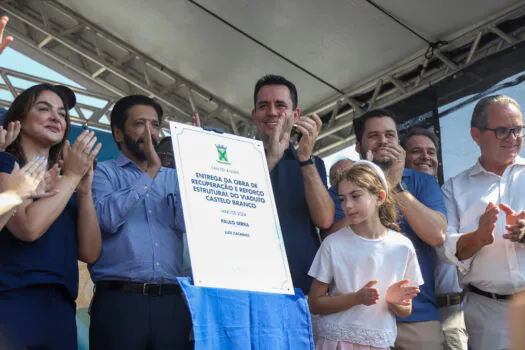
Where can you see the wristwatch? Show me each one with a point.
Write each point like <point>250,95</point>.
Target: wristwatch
<point>309,161</point>
<point>401,187</point>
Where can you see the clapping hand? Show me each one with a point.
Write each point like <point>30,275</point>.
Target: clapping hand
<point>279,139</point>
<point>397,154</point>
<point>515,224</point>
<point>400,293</point>
<point>368,295</point>
<point>8,136</point>
<point>309,128</point>
<point>79,157</point>
<point>9,39</point>
<point>25,181</point>
<point>487,224</point>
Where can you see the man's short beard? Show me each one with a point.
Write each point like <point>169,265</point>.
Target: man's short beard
<point>384,163</point>
<point>134,149</point>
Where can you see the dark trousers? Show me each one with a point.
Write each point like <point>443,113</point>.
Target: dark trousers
<point>39,317</point>
<point>129,321</point>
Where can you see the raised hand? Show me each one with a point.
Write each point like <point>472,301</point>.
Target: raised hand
<point>309,129</point>
<point>196,120</point>
<point>394,174</point>
<point>515,224</point>
<point>9,39</point>
<point>78,158</point>
<point>153,162</point>
<point>487,224</point>
<point>25,181</point>
<point>400,293</point>
<point>279,140</point>
<point>8,136</point>
<point>368,295</point>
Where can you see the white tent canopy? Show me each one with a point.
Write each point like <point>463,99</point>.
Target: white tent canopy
<point>217,49</point>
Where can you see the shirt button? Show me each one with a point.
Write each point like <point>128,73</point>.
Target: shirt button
<point>147,195</point>
<point>156,244</point>
<point>158,264</point>
<point>145,187</point>
<point>149,211</point>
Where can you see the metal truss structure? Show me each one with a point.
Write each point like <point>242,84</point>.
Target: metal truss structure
<point>95,114</point>
<point>428,67</point>
<point>107,61</point>
<point>104,60</point>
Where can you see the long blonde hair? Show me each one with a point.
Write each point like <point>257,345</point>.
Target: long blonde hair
<point>363,176</point>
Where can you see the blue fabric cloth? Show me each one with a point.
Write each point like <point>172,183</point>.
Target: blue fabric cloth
<point>299,232</point>
<point>141,222</point>
<point>426,189</point>
<point>226,319</point>
<point>51,259</point>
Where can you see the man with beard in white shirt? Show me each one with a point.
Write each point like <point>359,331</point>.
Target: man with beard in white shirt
<point>422,148</point>
<point>486,222</point>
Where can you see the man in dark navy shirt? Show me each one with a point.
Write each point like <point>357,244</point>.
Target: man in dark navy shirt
<point>298,178</point>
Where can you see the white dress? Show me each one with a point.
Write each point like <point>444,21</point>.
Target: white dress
<point>347,262</point>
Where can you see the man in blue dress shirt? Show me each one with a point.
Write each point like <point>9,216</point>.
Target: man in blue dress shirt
<point>138,303</point>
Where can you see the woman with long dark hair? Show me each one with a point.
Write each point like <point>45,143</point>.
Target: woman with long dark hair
<point>43,239</point>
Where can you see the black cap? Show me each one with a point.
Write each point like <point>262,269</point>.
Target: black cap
<point>71,99</point>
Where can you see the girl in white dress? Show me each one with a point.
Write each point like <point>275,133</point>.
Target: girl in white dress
<point>366,273</point>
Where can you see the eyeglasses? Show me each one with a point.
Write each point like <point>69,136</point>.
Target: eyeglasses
<point>502,133</point>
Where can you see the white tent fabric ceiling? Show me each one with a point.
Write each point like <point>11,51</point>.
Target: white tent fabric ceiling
<point>343,42</point>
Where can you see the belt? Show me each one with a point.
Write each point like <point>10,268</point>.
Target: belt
<point>449,299</point>
<point>478,291</point>
<point>141,288</point>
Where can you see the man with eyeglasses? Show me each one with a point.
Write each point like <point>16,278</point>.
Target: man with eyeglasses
<point>486,222</point>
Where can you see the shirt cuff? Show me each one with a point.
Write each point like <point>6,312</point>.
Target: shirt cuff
<point>447,252</point>
<point>143,184</point>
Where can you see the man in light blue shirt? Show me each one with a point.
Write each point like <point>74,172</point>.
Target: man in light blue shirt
<point>138,303</point>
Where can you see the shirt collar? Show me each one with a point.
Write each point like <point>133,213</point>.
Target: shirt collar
<point>478,168</point>
<point>122,160</point>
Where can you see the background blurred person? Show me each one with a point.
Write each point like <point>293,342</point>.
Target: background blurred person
<point>422,148</point>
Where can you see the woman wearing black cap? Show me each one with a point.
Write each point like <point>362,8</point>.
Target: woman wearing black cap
<point>43,239</point>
